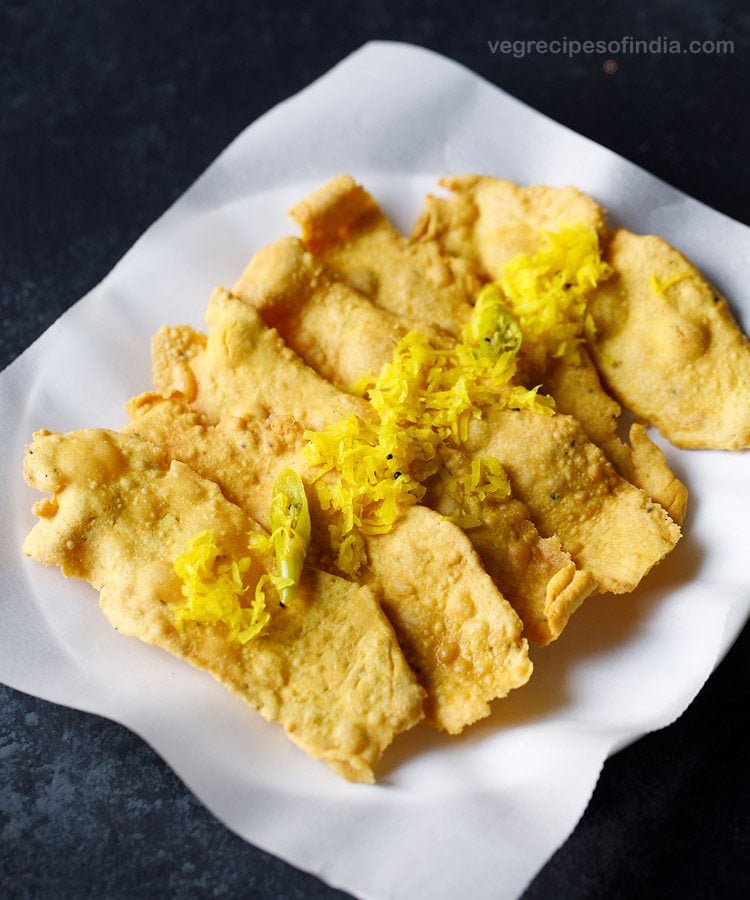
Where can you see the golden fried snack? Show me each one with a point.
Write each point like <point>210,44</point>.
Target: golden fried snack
<point>578,392</point>
<point>344,227</point>
<point>327,667</point>
<point>272,284</point>
<point>534,573</point>
<point>608,526</point>
<point>488,221</point>
<point>456,630</point>
<point>244,369</point>
<point>536,576</point>
<point>666,343</point>
<point>668,347</point>
<point>469,633</point>
<point>551,451</point>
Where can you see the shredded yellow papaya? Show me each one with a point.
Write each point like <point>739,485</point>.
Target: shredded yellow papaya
<point>486,480</point>
<point>213,587</point>
<point>424,399</point>
<point>367,488</point>
<point>660,288</point>
<point>548,293</point>
<point>428,395</point>
<point>212,581</point>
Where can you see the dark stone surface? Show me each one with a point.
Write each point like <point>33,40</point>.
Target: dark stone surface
<point>107,113</point>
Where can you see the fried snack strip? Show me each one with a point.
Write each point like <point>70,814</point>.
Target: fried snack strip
<point>343,226</point>
<point>489,221</point>
<point>578,392</point>
<point>281,272</point>
<point>609,508</point>
<point>457,631</point>
<point>608,526</point>
<point>534,573</point>
<point>668,347</point>
<point>244,369</point>
<point>328,667</point>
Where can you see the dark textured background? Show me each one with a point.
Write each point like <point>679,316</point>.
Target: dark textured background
<point>108,111</point>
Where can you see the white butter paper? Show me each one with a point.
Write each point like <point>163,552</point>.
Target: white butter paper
<point>476,816</point>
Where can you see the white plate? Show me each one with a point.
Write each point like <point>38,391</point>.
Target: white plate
<point>477,815</point>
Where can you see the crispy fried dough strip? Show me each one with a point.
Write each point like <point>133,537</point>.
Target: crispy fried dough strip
<point>327,667</point>
<point>668,347</point>
<point>537,576</point>
<point>273,284</point>
<point>294,291</point>
<point>603,496</point>
<point>608,526</point>
<point>245,369</point>
<point>488,221</point>
<point>578,392</point>
<point>462,629</point>
<point>458,633</point>
<point>343,226</point>
<point>456,244</point>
